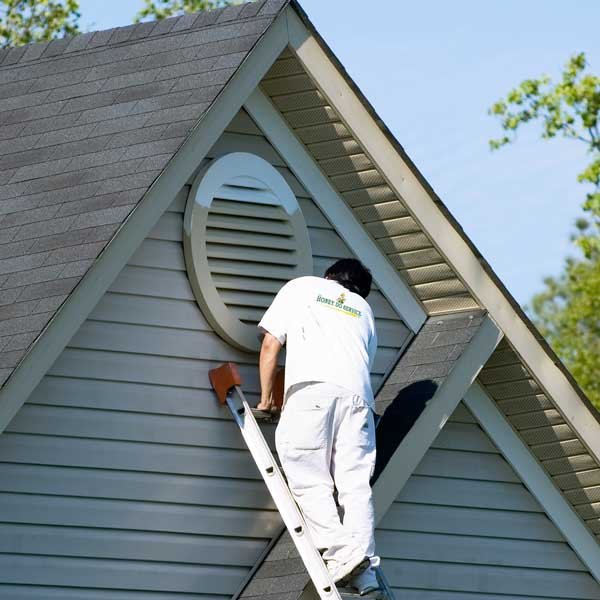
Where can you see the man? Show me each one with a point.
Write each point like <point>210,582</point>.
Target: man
<point>326,436</point>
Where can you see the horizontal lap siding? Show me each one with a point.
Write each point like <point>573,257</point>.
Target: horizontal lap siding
<point>122,477</point>
<point>464,525</point>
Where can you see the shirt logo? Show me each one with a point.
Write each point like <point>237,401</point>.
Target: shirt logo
<point>339,305</point>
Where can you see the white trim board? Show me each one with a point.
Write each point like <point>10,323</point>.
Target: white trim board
<point>431,421</point>
<point>389,281</point>
<point>534,476</point>
<point>403,180</point>
<point>82,300</point>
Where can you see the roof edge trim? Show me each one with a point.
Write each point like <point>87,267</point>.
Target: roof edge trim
<point>411,450</point>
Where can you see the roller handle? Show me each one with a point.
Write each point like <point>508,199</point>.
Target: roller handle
<point>224,378</point>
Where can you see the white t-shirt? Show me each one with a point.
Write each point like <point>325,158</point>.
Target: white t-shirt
<point>329,332</point>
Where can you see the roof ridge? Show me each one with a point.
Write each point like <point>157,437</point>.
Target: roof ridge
<point>135,32</point>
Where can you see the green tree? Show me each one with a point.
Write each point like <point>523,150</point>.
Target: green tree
<point>571,109</point>
<point>168,8</point>
<point>27,21</point>
<point>567,311</point>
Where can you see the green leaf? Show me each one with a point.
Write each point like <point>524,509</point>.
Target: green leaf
<point>27,21</point>
<point>162,9</point>
<point>567,312</point>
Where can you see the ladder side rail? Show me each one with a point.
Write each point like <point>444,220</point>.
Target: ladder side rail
<point>384,583</point>
<point>278,488</point>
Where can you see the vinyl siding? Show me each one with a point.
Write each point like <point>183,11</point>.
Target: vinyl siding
<point>121,477</point>
<point>465,526</point>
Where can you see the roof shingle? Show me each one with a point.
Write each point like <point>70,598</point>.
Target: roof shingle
<point>86,125</point>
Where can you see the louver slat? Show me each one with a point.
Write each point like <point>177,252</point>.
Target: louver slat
<point>249,224</point>
<point>245,298</point>
<point>246,209</point>
<point>239,193</point>
<point>247,238</point>
<point>238,268</point>
<point>251,254</point>
<point>248,284</point>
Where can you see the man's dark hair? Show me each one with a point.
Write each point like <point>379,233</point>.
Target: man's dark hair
<point>352,274</point>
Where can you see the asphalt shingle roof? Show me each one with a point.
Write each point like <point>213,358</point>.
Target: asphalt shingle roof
<point>87,123</point>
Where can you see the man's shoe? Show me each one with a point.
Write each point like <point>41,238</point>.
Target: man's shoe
<point>367,584</point>
<point>341,573</point>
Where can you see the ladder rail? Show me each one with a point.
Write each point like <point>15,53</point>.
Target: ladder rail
<point>278,488</point>
<point>384,583</point>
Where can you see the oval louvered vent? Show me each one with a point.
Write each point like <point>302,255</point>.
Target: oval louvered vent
<point>244,237</point>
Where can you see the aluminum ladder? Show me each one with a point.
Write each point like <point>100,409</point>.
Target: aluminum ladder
<point>226,381</point>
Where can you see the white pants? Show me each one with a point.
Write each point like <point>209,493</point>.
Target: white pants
<point>325,440</point>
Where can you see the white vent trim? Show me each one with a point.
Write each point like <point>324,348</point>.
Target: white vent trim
<point>244,237</point>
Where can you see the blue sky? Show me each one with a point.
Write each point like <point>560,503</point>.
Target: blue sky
<point>431,69</point>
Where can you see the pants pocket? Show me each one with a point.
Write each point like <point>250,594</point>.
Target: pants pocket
<point>366,434</point>
<point>307,424</point>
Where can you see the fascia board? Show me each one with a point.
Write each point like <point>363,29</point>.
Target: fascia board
<point>389,281</point>
<point>82,300</point>
<point>431,421</point>
<point>405,180</point>
<point>535,477</point>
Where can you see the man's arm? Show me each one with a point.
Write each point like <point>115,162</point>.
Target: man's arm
<point>268,367</point>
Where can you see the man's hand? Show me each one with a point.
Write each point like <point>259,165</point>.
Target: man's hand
<point>268,367</point>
